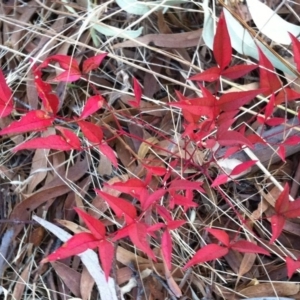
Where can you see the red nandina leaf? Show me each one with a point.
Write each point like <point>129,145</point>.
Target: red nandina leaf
<point>242,167</point>
<point>93,63</point>
<point>221,179</point>
<point>35,120</point>
<point>219,234</point>
<point>231,150</point>
<point>68,76</point>
<point>166,247</point>
<point>282,202</point>
<point>70,137</point>
<point>275,121</point>
<point>184,201</point>
<point>281,152</point>
<point>292,266</point>
<point>268,78</point>
<point>232,138</point>
<point>148,200</point>
<point>296,50</point>
<point>66,62</point>
<point>137,93</point>
<point>6,104</point>
<point>238,71</point>
<point>209,75</point>
<point>109,153</point>
<point>55,142</point>
<point>248,247</point>
<point>75,245</point>
<point>292,140</point>
<point>270,106</point>
<point>285,95</point>
<point>133,186</point>
<point>138,234</point>
<point>174,224</point>
<point>119,206</point>
<point>158,171</point>
<point>93,104</point>
<point>94,225</point>
<point>222,45</point>
<point>106,254</point>
<point>183,184</point>
<point>207,253</point>
<point>293,210</point>
<point>277,223</point>
<point>234,100</point>
<point>91,131</point>
<point>163,212</point>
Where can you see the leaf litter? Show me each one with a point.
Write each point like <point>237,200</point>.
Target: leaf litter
<point>125,119</point>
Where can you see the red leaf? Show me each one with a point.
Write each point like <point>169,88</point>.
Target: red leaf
<point>91,131</point>
<point>275,121</point>
<point>6,104</point>
<point>75,245</point>
<point>182,184</point>
<point>219,234</point>
<point>221,179</point>
<point>106,253</point>
<point>234,100</point>
<point>138,234</point>
<point>292,140</point>
<point>35,120</point>
<point>70,137</point>
<point>270,107</point>
<point>109,153</point>
<point>282,202</point>
<point>207,253</point>
<point>293,210</point>
<point>94,225</point>
<point>174,224</point>
<point>242,167</point>
<point>137,93</point>
<point>166,247</point>
<point>55,142</point>
<point>133,186</point>
<point>93,104</point>
<point>268,78</point>
<point>296,50</point>
<point>292,266</point>
<point>248,247</point>
<point>222,45</point>
<point>68,76</point>
<point>286,94</point>
<point>232,138</point>
<point>158,171</point>
<point>209,75</point>
<point>281,152</point>
<point>277,223</point>
<point>93,63</point>
<point>238,71</point>
<point>148,200</point>
<point>119,206</point>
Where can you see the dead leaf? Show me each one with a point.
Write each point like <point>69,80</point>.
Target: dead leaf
<point>69,276</point>
<point>18,292</point>
<point>174,40</point>
<point>86,284</point>
<point>267,289</point>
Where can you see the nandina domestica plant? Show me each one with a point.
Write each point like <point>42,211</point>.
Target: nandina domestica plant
<point>163,200</point>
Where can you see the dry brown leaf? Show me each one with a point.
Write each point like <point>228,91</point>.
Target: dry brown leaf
<point>69,276</point>
<point>174,40</point>
<point>21,283</point>
<point>145,146</point>
<point>267,289</point>
<point>86,284</point>
<point>246,265</point>
<point>55,188</point>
